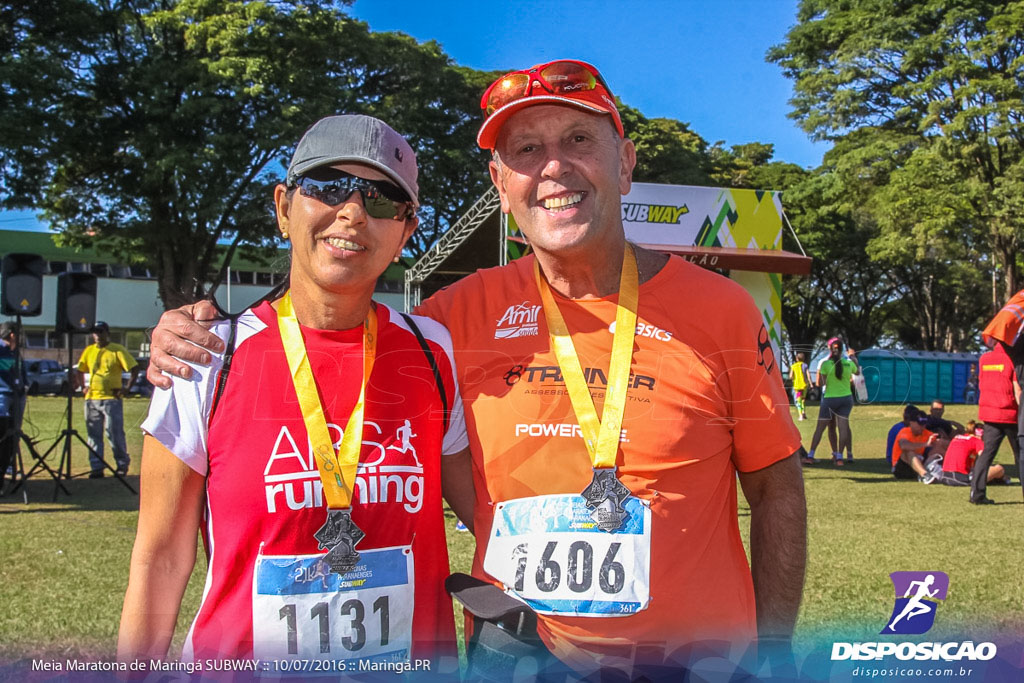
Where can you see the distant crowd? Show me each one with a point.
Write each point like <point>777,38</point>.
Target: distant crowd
<point>925,445</point>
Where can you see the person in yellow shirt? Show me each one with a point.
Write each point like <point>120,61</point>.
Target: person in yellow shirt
<point>801,380</point>
<point>104,362</point>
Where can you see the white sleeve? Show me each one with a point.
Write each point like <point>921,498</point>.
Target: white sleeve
<point>178,417</point>
<point>455,438</point>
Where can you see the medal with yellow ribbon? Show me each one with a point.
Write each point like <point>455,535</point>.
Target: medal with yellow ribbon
<point>339,534</point>
<point>605,494</point>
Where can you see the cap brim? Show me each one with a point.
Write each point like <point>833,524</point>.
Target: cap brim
<point>309,165</point>
<point>492,125</point>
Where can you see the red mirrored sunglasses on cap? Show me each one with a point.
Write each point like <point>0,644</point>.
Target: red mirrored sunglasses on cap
<point>564,81</point>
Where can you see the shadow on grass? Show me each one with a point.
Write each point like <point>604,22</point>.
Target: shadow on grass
<point>86,494</point>
<point>873,466</point>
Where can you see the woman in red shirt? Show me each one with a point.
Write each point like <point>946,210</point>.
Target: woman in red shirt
<point>960,456</point>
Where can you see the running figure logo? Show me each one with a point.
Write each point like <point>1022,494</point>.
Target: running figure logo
<point>917,598</point>
<point>404,433</point>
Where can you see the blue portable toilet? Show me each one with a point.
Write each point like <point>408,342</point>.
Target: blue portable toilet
<point>915,376</point>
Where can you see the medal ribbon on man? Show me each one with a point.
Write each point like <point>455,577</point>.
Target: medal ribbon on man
<point>605,494</point>
<point>339,534</point>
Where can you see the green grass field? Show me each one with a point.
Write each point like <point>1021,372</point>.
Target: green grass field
<point>64,564</point>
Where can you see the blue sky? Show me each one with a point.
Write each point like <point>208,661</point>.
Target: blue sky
<point>698,61</point>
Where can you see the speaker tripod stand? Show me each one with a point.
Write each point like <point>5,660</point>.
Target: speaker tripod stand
<point>11,456</point>
<point>18,466</point>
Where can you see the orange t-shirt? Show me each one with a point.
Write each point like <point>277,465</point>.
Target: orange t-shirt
<point>1007,323</point>
<point>905,433</point>
<point>705,399</point>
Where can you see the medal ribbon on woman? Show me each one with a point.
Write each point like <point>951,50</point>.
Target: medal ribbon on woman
<point>339,534</point>
<point>605,494</point>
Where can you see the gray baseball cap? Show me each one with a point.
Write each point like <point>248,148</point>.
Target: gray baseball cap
<point>354,138</point>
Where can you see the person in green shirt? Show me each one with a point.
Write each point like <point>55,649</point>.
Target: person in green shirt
<point>104,362</point>
<point>834,375</point>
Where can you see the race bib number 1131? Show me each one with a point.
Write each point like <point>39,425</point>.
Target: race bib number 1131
<point>303,610</point>
<point>548,552</point>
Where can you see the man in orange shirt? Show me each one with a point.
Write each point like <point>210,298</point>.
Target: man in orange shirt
<point>613,395</point>
<point>911,446</point>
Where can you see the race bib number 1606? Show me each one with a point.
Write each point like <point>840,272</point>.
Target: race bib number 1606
<point>548,552</point>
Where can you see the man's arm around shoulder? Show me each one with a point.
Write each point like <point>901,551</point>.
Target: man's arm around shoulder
<point>778,543</point>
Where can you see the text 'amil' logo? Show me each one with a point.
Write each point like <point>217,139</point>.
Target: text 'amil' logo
<point>519,320</point>
<point>917,598</point>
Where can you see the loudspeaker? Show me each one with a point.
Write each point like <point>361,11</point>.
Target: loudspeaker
<point>76,302</point>
<point>22,284</point>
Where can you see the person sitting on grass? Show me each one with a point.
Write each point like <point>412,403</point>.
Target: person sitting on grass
<point>947,429</point>
<point>959,458</point>
<point>913,444</point>
<point>890,440</point>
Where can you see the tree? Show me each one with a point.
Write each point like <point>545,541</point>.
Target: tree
<point>934,248</point>
<point>847,290</point>
<point>944,77</point>
<point>730,168</point>
<point>159,121</point>
<point>156,129</point>
<point>667,151</point>
<point>882,266</point>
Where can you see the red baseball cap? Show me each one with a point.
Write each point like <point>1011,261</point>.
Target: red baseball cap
<point>563,81</point>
